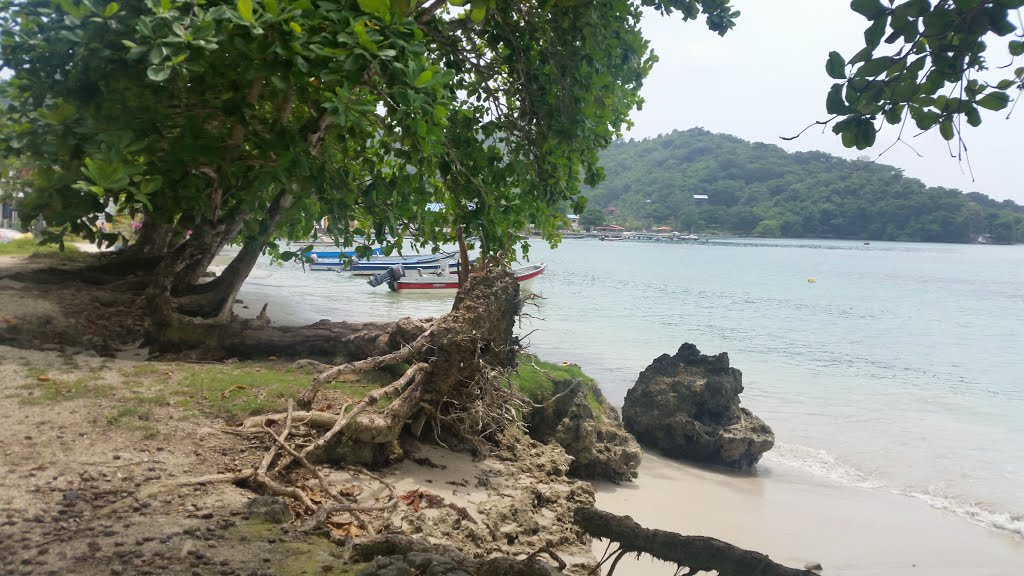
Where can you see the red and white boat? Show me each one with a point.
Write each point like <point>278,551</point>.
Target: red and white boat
<point>442,281</point>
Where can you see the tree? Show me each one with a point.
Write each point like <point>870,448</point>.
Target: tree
<point>592,216</point>
<point>1007,228</point>
<point>768,229</point>
<point>933,75</point>
<point>248,122</point>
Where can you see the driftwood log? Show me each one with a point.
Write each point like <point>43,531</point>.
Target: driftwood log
<point>697,553</point>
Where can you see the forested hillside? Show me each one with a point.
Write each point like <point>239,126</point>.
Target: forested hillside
<point>760,189</point>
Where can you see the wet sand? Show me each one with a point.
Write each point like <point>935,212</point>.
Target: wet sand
<point>796,518</point>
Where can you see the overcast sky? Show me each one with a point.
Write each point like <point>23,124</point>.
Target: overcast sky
<point>766,78</point>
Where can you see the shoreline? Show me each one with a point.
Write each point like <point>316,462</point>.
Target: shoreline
<point>797,518</point>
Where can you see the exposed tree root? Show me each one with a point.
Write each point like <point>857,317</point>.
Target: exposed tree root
<point>695,553</point>
<point>329,375</point>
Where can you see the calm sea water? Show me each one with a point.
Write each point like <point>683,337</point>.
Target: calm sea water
<point>900,369</point>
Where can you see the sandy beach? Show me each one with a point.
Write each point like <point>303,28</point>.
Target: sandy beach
<point>796,518</point>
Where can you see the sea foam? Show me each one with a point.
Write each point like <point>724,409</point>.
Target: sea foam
<point>824,465</point>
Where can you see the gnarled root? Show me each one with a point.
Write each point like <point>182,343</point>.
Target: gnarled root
<point>329,375</point>
<point>697,553</point>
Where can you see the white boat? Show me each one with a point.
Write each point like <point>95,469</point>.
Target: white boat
<point>443,281</point>
<point>378,265</point>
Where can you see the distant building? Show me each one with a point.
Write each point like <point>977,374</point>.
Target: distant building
<point>700,197</point>
<point>609,228</point>
<point>611,211</point>
<point>574,221</point>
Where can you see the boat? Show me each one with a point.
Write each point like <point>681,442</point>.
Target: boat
<point>613,238</point>
<point>378,265</point>
<point>336,254</point>
<point>440,280</point>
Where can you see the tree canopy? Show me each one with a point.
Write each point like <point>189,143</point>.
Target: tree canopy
<point>252,121</point>
<point>761,189</point>
<point>928,62</point>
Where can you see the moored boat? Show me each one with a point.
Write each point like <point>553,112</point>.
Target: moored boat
<point>378,265</point>
<point>442,281</point>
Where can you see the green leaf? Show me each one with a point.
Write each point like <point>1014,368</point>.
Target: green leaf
<point>873,35</point>
<point>158,73</point>
<point>477,13</point>
<point>868,8</point>
<point>379,7</point>
<point>925,119</point>
<point>112,9</point>
<point>835,66</point>
<point>946,129</point>
<point>835,104</point>
<point>973,116</point>
<point>894,115</point>
<point>156,54</point>
<point>245,9</point>
<point>272,7</point>
<point>295,27</point>
<point>423,78</point>
<point>994,101</point>
<point>1016,48</point>
<point>874,67</point>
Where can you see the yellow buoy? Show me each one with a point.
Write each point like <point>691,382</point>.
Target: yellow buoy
<point>812,280</point>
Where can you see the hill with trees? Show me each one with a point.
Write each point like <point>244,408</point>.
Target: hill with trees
<point>760,189</point>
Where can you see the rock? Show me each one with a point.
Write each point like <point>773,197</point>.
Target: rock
<point>411,564</point>
<point>589,430</point>
<point>813,566</point>
<point>269,509</point>
<point>688,406</point>
<point>71,496</point>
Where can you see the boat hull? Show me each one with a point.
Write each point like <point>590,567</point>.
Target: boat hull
<point>442,285</point>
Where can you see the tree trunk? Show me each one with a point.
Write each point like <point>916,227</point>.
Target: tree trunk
<point>154,238</point>
<point>209,299</point>
<point>325,340</point>
<point>455,363</point>
<point>210,238</point>
<point>201,320</point>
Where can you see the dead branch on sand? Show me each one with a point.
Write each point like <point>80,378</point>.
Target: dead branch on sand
<point>690,553</point>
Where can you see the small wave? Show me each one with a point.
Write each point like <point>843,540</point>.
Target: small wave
<point>821,463</point>
<point>973,512</point>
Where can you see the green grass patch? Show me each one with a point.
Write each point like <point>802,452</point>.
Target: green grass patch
<point>28,246</point>
<point>59,390</point>
<point>535,379</point>
<point>244,389</point>
<point>135,418</point>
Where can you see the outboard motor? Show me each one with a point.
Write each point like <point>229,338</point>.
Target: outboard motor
<point>389,277</point>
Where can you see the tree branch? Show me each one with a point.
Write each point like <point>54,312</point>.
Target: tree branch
<point>695,552</point>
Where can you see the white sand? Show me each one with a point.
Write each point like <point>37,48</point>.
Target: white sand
<point>796,518</point>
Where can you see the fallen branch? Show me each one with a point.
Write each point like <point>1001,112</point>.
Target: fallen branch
<point>698,553</point>
<point>153,489</point>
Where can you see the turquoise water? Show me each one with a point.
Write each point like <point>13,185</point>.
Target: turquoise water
<point>899,369</point>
